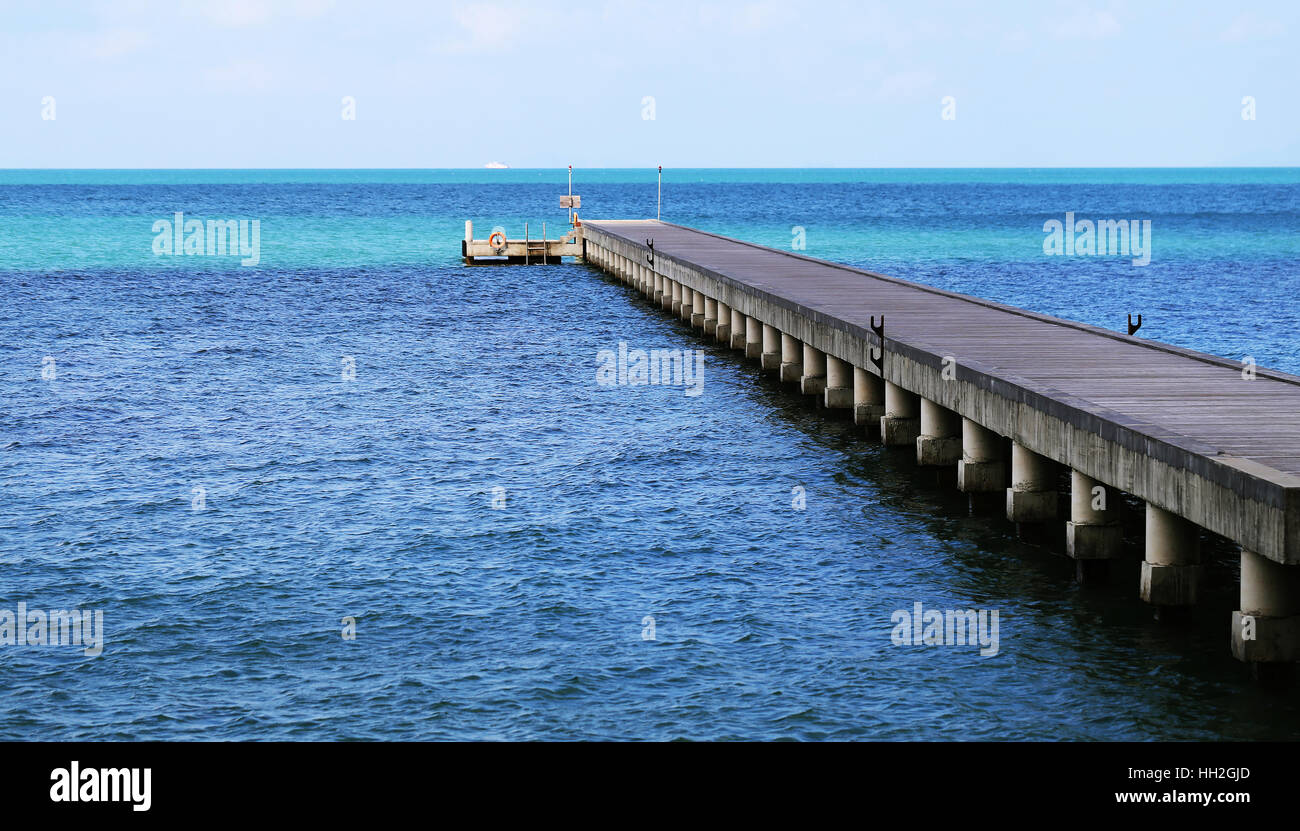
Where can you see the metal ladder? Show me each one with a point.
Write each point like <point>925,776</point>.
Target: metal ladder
<point>530,246</point>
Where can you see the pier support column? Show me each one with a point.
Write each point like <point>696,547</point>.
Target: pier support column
<point>770,357</point>
<point>698,309</point>
<point>738,330</point>
<point>1266,630</point>
<point>939,444</point>
<point>812,380</point>
<point>675,303</point>
<point>666,302</point>
<point>1032,495</point>
<point>901,423</point>
<point>981,468</point>
<point>1093,535</point>
<point>868,399</point>
<point>722,330</point>
<point>791,358</point>
<point>753,338</point>
<point>839,384</point>
<point>710,315</point>
<point>688,303</point>
<point>659,290</point>
<point>1172,570</point>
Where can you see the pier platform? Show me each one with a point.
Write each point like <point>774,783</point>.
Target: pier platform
<point>497,249</point>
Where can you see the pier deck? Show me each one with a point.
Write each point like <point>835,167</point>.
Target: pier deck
<point>1183,430</point>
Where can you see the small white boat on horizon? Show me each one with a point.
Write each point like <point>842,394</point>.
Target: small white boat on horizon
<point>496,166</point>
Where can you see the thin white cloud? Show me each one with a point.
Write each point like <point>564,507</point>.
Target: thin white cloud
<point>1088,24</point>
<point>487,27</point>
<point>310,8</point>
<point>758,16</point>
<point>247,13</point>
<point>749,17</point>
<point>238,76</point>
<point>115,43</point>
<point>1247,27</point>
<point>1016,38</point>
<point>236,13</point>
<point>906,84</point>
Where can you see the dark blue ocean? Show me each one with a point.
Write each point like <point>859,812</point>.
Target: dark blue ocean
<point>234,464</point>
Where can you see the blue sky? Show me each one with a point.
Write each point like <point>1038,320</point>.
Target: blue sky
<point>260,83</point>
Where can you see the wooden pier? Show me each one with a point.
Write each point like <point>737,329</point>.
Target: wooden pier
<point>1206,442</point>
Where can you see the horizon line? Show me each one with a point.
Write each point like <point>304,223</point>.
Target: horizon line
<point>655,167</point>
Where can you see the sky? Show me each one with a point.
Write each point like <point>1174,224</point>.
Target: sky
<point>271,83</point>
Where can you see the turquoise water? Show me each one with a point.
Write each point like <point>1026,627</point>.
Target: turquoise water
<point>371,497</point>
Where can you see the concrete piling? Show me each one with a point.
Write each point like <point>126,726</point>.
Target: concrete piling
<point>1093,535</point>
<point>753,338</point>
<point>839,384</point>
<point>791,358</point>
<point>868,399</point>
<point>901,423</point>
<point>1032,495</point>
<point>812,378</point>
<point>770,358</point>
<point>981,469</point>
<point>1171,569</point>
<point>738,330</point>
<point>939,443</point>
<point>1266,629</point>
